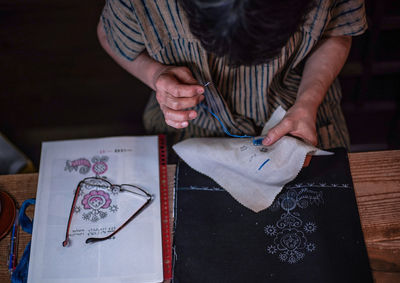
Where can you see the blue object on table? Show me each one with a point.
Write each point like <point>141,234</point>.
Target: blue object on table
<point>13,244</point>
<point>20,274</point>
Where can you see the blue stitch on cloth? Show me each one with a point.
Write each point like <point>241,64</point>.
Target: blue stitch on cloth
<point>20,274</point>
<point>262,165</point>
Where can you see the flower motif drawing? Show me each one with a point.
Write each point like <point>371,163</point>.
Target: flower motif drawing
<point>310,247</point>
<point>99,166</point>
<point>289,233</point>
<point>290,239</point>
<point>96,203</point>
<point>270,230</point>
<point>292,259</point>
<point>310,227</point>
<point>113,208</point>
<point>96,199</point>
<point>86,216</point>
<point>283,257</point>
<point>293,256</point>
<point>272,249</point>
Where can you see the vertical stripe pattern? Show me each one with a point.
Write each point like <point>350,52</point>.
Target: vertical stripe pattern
<point>242,97</point>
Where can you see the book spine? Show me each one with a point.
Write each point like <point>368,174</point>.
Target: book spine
<point>165,215</point>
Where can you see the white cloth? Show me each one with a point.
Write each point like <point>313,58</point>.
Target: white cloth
<point>253,175</point>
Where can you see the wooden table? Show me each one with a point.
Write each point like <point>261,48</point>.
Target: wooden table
<point>376,177</point>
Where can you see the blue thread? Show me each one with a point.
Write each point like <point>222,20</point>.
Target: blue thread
<point>220,121</point>
<point>20,273</point>
<point>257,142</point>
<point>222,124</point>
<point>262,165</point>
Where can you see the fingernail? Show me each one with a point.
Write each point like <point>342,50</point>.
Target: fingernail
<point>200,90</point>
<point>266,141</point>
<point>192,115</point>
<point>184,124</point>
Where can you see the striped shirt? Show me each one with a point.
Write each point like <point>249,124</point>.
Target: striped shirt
<point>243,97</point>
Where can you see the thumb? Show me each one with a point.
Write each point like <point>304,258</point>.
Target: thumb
<point>274,134</point>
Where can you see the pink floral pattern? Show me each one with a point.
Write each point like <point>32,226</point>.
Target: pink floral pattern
<point>99,168</point>
<point>96,199</point>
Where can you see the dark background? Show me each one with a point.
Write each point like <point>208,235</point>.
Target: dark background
<point>56,82</point>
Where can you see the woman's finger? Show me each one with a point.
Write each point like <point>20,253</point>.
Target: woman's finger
<point>168,83</point>
<point>283,128</point>
<point>177,125</point>
<point>178,115</point>
<point>182,103</point>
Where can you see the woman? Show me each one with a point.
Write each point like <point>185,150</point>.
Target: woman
<point>257,55</point>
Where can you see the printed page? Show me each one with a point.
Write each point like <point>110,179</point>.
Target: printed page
<point>134,254</point>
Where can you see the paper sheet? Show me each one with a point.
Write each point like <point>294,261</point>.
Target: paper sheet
<point>253,175</point>
<point>135,253</point>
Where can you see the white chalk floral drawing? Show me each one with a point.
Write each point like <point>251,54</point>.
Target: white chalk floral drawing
<point>289,234</point>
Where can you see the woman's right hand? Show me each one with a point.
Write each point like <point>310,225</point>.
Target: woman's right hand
<point>175,87</point>
<point>176,91</point>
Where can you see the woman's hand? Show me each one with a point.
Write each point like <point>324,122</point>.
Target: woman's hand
<point>176,91</point>
<point>320,70</point>
<point>299,121</point>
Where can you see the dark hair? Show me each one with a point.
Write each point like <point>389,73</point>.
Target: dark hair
<point>246,32</point>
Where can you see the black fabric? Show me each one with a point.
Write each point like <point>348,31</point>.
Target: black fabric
<point>311,233</point>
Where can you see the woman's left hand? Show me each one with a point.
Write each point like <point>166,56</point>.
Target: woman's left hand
<point>299,121</point>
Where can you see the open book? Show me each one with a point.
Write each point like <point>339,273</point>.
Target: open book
<point>89,189</point>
